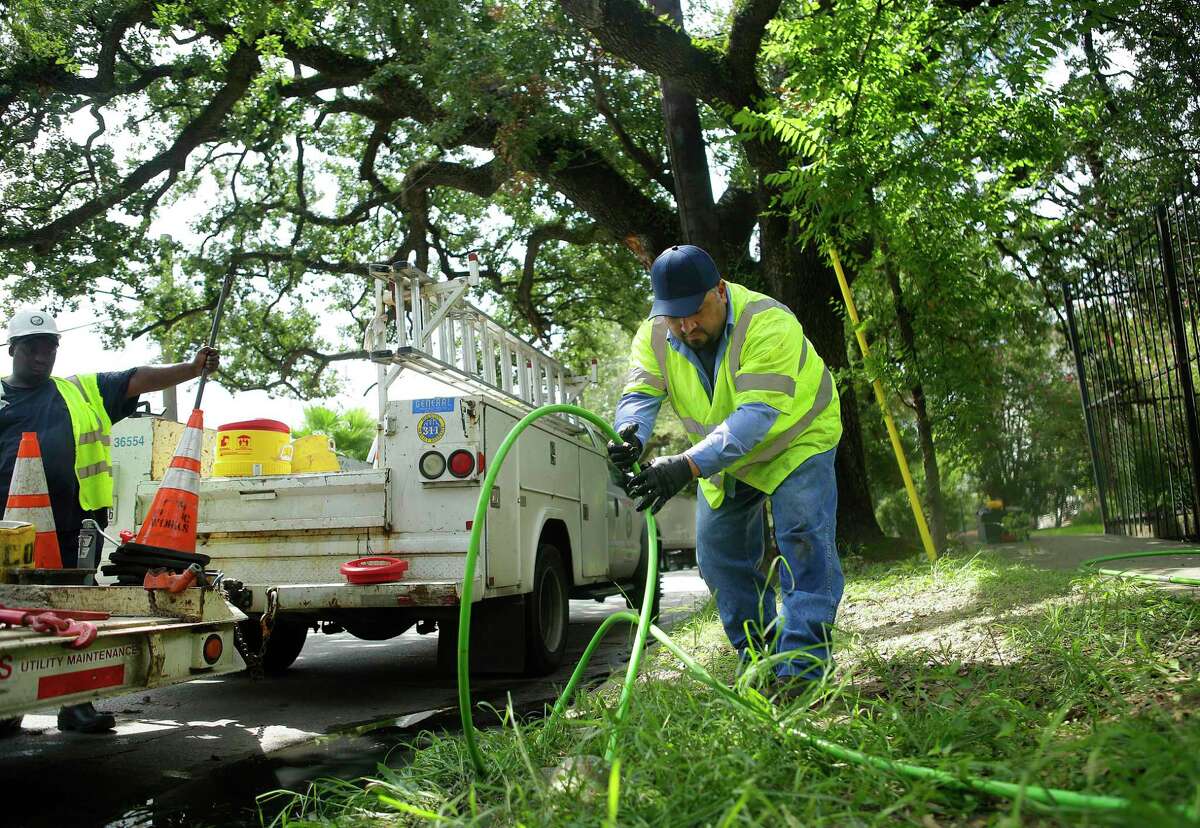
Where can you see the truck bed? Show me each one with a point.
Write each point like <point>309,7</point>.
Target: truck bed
<point>152,639</point>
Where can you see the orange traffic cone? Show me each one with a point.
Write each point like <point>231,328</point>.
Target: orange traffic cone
<point>29,500</point>
<point>171,521</point>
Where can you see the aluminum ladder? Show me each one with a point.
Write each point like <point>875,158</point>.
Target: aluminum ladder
<point>429,326</point>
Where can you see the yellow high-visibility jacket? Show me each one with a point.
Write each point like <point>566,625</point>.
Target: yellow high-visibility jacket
<point>92,428</point>
<point>767,360</point>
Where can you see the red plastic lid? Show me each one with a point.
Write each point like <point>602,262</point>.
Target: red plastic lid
<point>375,569</point>
<point>256,425</point>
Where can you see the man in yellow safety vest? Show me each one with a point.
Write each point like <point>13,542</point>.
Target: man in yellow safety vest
<point>762,414</point>
<point>73,418</point>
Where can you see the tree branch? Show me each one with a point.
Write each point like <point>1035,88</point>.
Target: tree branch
<point>745,39</point>
<point>629,30</point>
<point>555,231</point>
<point>587,178</point>
<point>658,170</point>
<point>242,67</point>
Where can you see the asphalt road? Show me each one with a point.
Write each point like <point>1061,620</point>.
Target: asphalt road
<point>227,738</point>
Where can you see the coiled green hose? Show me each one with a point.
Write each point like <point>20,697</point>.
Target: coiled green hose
<point>1049,797</point>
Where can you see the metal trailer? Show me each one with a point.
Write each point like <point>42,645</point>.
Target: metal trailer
<point>151,639</point>
<point>558,526</point>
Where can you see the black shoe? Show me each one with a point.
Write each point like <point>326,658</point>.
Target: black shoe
<point>83,718</point>
<point>10,727</point>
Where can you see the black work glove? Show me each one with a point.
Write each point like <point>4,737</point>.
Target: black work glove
<point>624,454</point>
<point>657,484</point>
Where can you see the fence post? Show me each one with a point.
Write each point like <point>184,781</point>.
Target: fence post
<point>1179,335</point>
<point>1086,401</point>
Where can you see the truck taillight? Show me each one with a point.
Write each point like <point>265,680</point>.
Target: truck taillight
<point>433,465</point>
<point>213,647</point>
<point>462,464</point>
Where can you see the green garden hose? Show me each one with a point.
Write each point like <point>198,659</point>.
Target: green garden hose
<point>1049,797</point>
<point>464,613</point>
<point>1093,565</point>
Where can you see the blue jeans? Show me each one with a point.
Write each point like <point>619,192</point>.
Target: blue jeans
<point>729,550</point>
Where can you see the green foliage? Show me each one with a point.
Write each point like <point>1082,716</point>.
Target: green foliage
<point>353,430</point>
<point>297,184</point>
<point>933,146</point>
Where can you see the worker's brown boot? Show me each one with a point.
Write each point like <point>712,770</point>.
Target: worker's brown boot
<point>84,718</point>
<point>788,691</point>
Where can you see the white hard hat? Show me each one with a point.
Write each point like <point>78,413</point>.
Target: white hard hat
<point>31,322</point>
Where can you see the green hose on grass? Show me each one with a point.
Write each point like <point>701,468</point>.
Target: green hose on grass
<point>1049,797</point>
<point>1093,565</point>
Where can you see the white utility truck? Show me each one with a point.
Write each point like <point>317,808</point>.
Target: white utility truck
<point>558,526</point>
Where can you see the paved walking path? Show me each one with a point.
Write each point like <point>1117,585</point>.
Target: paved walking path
<point>1069,551</point>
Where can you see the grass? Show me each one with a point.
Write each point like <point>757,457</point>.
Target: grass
<point>974,665</point>
<point>1070,529</point>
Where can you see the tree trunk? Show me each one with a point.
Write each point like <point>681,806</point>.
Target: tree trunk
<point>804,280</point>
<point>933,476</point>
<point>686,149</point>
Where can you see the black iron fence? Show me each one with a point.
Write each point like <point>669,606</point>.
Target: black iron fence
<point>1134,320</point>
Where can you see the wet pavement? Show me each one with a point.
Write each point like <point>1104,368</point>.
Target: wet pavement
<point>198,753</point>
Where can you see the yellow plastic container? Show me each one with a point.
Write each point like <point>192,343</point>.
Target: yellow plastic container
<point>17,538</point>
<point>314,453</point>
<point>252,448</point>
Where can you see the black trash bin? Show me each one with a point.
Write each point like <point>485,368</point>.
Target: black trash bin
<point>991,524</point>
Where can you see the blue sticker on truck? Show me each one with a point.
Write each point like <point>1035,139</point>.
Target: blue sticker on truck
<point>431,428</point>
<point>443,405</point>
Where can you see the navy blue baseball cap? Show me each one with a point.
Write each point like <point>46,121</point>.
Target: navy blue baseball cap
<point>680,277</point>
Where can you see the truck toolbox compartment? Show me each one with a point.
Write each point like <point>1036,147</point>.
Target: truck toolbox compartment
<point>279,503</point>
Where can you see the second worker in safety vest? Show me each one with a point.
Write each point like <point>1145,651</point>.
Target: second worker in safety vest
<point>761,411</point>
<point>73,419</point>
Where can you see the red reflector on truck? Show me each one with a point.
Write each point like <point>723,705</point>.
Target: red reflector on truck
<point>462,463</point>
<point>213,647</point>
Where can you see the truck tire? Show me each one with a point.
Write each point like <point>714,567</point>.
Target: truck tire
<point>636,595</point>
<point>547,613</point>
<point>284,646</point>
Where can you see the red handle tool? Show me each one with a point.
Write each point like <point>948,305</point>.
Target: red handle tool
<point>50,623</point>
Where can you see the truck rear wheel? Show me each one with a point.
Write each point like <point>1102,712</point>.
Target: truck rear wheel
<point>547,613</point>
<point>283,647</point>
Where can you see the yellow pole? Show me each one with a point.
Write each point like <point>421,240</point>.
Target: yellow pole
<point>901,460</point>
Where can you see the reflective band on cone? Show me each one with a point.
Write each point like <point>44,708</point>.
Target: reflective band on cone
<point>171,521</point>
<point>29,500</point>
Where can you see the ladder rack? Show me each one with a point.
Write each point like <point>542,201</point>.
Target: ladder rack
<point>429,326</point>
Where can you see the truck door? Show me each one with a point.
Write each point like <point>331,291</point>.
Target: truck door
<point>598,540</point>
<point>503,529</point>
<point>624,528</point>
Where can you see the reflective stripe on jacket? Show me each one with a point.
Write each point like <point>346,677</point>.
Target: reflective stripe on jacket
<point>768,359</point>
<point>92,428</point>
